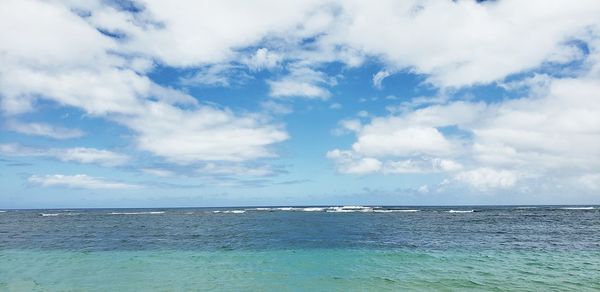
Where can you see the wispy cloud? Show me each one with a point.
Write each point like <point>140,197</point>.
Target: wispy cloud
<point>79,181</point>
<point>77,154</point>
<point>43,129</point>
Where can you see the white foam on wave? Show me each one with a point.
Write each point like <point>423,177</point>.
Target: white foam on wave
<point>137,213</point>
<point>332,209</point>
<point>578,208</point>
<point>526,208</point>
<point>261,209</point>
<point>58,214</point>
<point>396,211</point>
<point>349,209</point>
<point>2,211</point>
<point>313,209</point>
<point>461,211</point>
<point>230,211</point>
<point>285,209</point>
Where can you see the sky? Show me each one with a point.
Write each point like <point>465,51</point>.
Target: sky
<point>234,103</point>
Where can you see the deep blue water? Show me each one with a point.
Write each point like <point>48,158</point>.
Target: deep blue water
<point>481,247</point>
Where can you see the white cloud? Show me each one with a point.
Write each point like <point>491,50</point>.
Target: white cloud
<point>458,43</point>
<point>546,138</point>
<point>62,57</point>
<point>90,155</point>
<point>301,82</point>
<point>45,130</point>
<point>234,169</point>
<point>377,140</point>
<point>348,162</point>
<point>263,59</point>
<point>487,178</point>
<point>158,172</point>
<point>78,181</point>
<point>77,154</point>
<point>421,165</point>
<point>378,78</point>
<point>204,134</point>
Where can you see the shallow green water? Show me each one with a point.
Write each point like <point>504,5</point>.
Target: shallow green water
<point>297,270</point>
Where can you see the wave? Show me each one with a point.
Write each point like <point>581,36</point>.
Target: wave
<point>137,213</point>
<point>349,209</point>
<point>285,209</point>
<point>332,209</point>
<point>58,214</point>
<point>526,207</point>
<point>461,211</point>
<point>2,211</point>
<point>395,210</point>
<point>49,214</point>
<point>577,208</point>
<point>230,211</point>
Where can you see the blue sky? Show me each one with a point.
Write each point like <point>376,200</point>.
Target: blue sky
<point>148,103</point>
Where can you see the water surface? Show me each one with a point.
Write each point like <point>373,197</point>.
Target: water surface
<point>302,248</point>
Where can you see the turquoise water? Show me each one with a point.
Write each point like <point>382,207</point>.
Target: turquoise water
<point>302,249</point>
<point>296,270</point>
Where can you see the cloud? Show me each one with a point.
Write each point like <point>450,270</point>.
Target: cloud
<point>263,59</point>
<point>223,75</point>
<point>78,181</point>
<point>78,154</point>
<point>204,134</point>
<point>98,58</point>
<point>348,162</point>
<point>234,170</point>
<point>302,82</point>
<point>487,178</point>
<point>158,172</point>
<point>45,130</point>
<point>450,41</point>
<point>548,136</point>
<point>104,77</point>
<point>378,78</point>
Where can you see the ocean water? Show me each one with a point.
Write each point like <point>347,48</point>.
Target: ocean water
<point>352,248</point>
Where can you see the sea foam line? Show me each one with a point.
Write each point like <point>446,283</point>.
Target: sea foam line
<point>396,210</point>
<point>137,213</point>
<point>461,211</point>
<point>230,211</point>
<point>58,214</point>
<point>332,209</point>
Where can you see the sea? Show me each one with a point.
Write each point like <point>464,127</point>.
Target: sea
<point>312,248</point>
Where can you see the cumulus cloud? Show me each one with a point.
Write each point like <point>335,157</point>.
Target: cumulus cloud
<point>348,162</point>
<point>64,58</point>
<point>487,178</point>
<point>549,134</point>
<point>97,58</point>
<point>77,181</point>
<point>263,59</point>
